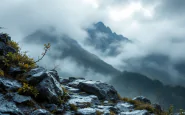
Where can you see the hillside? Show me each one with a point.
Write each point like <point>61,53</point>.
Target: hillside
<point>69,48</point>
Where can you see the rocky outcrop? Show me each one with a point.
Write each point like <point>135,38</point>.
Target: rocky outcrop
<point>142,99</point>
<point>47,83</point>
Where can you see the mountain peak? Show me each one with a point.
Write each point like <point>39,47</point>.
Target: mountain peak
<point>102,28</point>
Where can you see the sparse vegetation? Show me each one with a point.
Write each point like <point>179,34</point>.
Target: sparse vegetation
<point>1,72</point>
<point>18,58</point>
<point>112,113</point>
<point>65,96</point>
<point>73,107</point>
<point>99,113</point>
<point>141,106</point>
<point>26,89</point>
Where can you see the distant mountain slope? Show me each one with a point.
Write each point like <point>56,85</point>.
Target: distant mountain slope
<point>131,84</point>
<point>70,48</point>
<point>103,39</point>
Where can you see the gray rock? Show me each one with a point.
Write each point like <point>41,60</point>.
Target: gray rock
<point>86,111</point>
<point>8,84</point>
<point>54,73</point>
<point>124,107</point>
<point>142,99</point>
<point>102,90</point>
<point>2,46</point>
<point>4,37</point>
<point>10,49</point>
<point>15,70</point>
<point>136,112</point>
<point>36,75</point>
<point>41,112</point>
<point>49,89</point>
<point>21,99</point>
<point>47,83</point>
<point>51,107</point>
<point>8,107</point>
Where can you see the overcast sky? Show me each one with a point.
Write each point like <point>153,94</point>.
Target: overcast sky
<point>150,23</point>
<point>153,25</point>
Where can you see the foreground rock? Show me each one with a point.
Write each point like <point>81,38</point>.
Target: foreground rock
<point>102,90</point>
<point>47,83</point>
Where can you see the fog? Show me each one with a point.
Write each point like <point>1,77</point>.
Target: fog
<point>155,27</point>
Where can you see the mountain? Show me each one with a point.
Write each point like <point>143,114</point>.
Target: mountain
<point>146,75</point>
<point>69,48</point>
<point>103,39</point>
<point>29,89</point>
<point>131,84</point>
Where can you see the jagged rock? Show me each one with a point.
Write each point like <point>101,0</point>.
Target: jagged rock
<point>102,90</point>
<point>54,73</point>
<point>4,38</point>
<point>2,47</point>
<point>47,83</point>
<point>124,107</point>
<point>8,84</point>
<point>36,75</point>
<point>79,99</point>
<point>15,70</point>
<point>21,99</point>
<point>49,89</point>
<point>41,112</point>
<point>86,111</point>
<point>136,112</point>
<point>8,107</point>
<point>51,107</point>
<point>142,99</point>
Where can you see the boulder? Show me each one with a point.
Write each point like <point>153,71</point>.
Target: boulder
<point>36,75</point>
<point>8,107</point>
<point>15,71</point>
<point>2,47</point>
<point>136,112</point>
<point>86,111</point>
<point>50,89</point>
<point>142,99</point>
<point>8,84</point>
<point>21,99</point>
<point>4,37</point>
<point>102,90</point>
<point>40,112</point>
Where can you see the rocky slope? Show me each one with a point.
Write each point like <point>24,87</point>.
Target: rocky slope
<point>37,91</point>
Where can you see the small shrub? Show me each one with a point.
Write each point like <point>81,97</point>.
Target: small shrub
<point>182,112</point>
<point>14,44</point>
<point>170,110</point>
<point>1,72</point>
<point>99,113</point>
<point>73,107</point>
<point>26,89</point>
<point>145,106</point>
<point>112,113</point>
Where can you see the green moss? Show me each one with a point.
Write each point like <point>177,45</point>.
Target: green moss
<point>112,113</point>
<point>26,89</point>
<point>73,107</point>
<point>141,106</point>
<point>1,72</point>
<point>99,113</point>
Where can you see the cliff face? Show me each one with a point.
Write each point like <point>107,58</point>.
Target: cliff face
<point>27,89</point>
